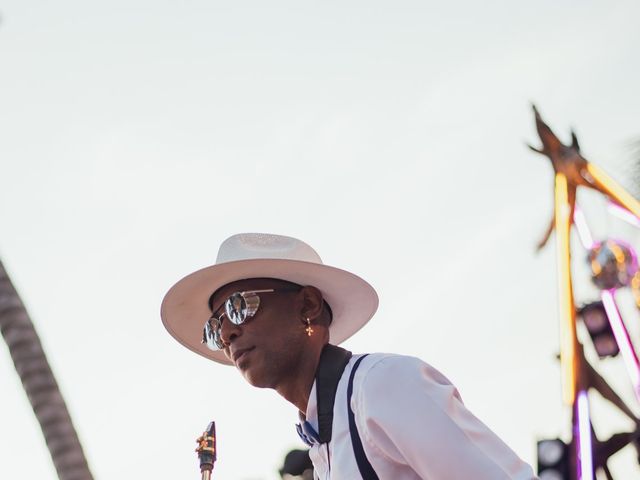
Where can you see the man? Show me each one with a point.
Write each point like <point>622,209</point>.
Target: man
<point>270,307</point>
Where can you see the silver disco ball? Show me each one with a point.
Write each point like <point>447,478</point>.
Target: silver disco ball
<point>613,264</point>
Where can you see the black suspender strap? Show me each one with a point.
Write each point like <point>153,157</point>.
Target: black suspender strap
<point>333,361</point>
<point>366,470</point>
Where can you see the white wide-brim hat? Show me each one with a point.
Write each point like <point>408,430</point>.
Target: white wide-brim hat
<point>185,307</point>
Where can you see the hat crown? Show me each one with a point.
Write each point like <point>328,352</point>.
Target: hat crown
<point>251,246</point>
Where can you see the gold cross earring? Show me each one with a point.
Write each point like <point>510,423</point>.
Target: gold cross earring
<point>309,330</point>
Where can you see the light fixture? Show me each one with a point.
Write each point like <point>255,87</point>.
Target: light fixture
<point>553,460</point>
<point>595,319</point>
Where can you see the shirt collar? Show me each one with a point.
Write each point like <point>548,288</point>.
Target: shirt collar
<point>312,408</point>
<point>308,427</point>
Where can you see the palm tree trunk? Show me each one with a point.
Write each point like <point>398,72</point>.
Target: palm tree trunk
<point>40,385</point>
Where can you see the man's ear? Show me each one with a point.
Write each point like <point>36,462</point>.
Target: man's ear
<point>312,303</point>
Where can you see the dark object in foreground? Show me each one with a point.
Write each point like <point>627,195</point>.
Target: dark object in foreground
<point>297,464</point>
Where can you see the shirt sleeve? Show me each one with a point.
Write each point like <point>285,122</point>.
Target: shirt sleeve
<point>408,413</point>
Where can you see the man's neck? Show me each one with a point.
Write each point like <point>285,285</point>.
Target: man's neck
<point>297,387</point>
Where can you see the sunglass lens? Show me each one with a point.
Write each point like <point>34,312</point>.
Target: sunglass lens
<point>217,339</point>
<point>236,308</point>
<point>211,336</point>
<point>207,337</point>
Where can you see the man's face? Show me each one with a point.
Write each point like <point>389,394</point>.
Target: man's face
<point>268,346</point>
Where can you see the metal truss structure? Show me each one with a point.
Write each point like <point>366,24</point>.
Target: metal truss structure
<point>614,265</point>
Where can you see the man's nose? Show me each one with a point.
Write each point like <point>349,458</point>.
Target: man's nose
<point>229,331</point>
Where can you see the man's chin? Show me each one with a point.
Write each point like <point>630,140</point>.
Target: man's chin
<point>255,379</point>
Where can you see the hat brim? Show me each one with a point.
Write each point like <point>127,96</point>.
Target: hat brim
<point>185,308</point>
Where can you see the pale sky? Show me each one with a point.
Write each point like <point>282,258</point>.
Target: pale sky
<point>135,136</point>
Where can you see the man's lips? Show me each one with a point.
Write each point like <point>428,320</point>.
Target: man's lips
<point>237,354</point>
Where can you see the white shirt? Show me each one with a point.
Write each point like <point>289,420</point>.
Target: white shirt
<point>412,424</point>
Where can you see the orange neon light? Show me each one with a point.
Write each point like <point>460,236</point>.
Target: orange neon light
<point>610,187</point>
<point>568,337</point>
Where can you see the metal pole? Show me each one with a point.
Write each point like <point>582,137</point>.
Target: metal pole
<point>568,336</point>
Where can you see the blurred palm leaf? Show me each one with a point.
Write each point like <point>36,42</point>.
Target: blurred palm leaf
<point>40,385</point>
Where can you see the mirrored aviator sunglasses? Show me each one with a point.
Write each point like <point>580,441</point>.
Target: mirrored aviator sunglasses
<point>238,308</point>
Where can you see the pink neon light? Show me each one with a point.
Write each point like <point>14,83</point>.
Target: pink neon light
<point>622,338</point>
<point>624,214</point>
<point>585,472</point>
<point>583,229</point>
